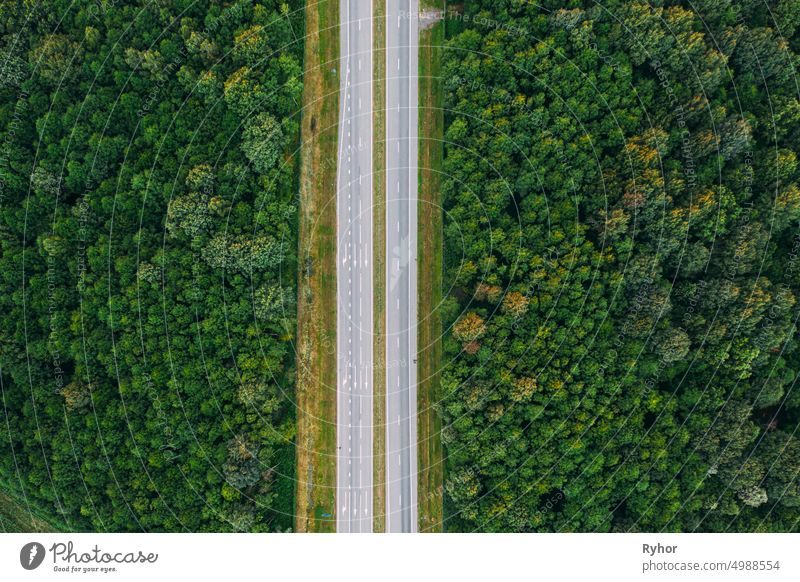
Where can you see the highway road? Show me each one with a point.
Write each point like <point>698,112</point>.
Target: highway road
<point>402,44</point>
<point>354,323</point>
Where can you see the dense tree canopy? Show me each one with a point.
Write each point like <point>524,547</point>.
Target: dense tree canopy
<point>622,244</point>
<point>622,259</point>
<point>147,257</point>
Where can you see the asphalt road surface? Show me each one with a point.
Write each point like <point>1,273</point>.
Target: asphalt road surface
<point>402,43</point>
<point>354,325</point>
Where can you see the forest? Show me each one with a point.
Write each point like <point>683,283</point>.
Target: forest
<point>621,200</point>
<point>148,262</point>
<point>621,208</point>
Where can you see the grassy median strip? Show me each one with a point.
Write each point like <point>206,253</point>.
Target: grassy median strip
<point>316,337</point>
<point>379,261</point>
<point>431,152</point>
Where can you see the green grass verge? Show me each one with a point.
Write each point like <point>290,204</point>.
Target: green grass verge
<point>431,153</point>
<point>17,517</point>
<point>316,338</point>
